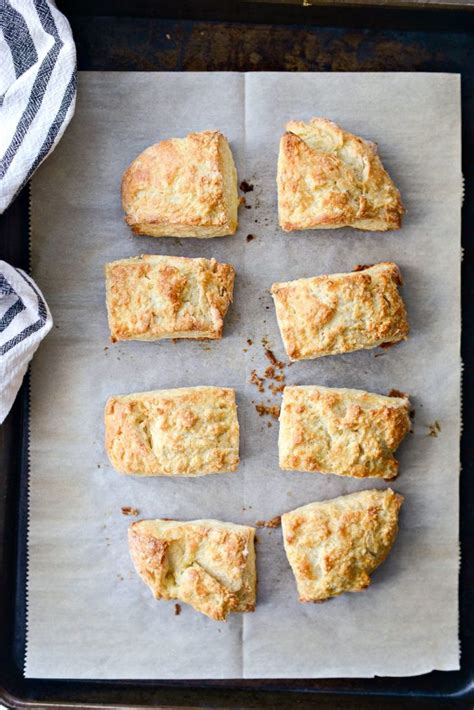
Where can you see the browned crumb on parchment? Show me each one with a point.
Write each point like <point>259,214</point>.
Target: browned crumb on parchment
<point>128,510</point>
<point>249,341</point>
<point>434,429</point>
<point>177,609</point>
<point>273,360</point>
<point>246,186</point>
<point>273,523</point>
<point>256,380</point>
<point>268,410</point>
<point>362,267</point>
<point>397,393</point>
<point>250,237</point>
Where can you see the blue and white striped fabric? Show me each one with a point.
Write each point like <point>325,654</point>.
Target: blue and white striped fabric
<point>37,88</point>
<point>24,321</point>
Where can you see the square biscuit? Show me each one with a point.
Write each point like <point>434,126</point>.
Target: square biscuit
<point>191,431</point>
<point>208,564</point>
<point>329,178</point>
<point>333,546</point>
<point>153,297</point>
<point>340,313</point>
<point>183,187</point>
<point>341,431</point>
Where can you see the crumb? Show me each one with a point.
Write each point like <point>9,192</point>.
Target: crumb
<point>276,389</point>
<point>245,186</point>
<point>269,424</point>
<point>397,393</point>
<point>56,326</point>
<point>245,350</point>
<point>270,372</point>
<point>248,207</point>
<point>412,413</point>
<point>128,510</point>
<point>271,357</point>
<point>177,609</point>
<point>98,465</point>
<point>119,576</point>
<point>250,237</point>
<point>249,341</point>
<point>273,523</point>
<point>257,381</point>
<point>272,410</point>
<point>106,348</point>
<point>379,354</point>
<point>361,267</point>
<point>434,428</point>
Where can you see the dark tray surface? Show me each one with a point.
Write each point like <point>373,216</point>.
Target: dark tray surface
<point>134,43</point>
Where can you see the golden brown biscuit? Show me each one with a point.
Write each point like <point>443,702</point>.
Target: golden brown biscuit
<point>333,546</point>
<point>183,187</point>
<point>190,431</point>
<point>339,313</point>
<point>329,178</point>
<point>152,297</point>
<point>341,431</point>
<point>205,563</point>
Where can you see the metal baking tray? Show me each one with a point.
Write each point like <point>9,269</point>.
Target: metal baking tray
<point>127,35</point>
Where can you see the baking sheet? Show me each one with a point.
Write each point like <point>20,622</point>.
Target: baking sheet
<point>89,615</point>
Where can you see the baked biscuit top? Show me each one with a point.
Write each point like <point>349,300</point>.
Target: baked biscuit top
<point>341,431</point>
<point>152,297</point>
<point>339,313</point>
<point>333,546</point>
<point>205,563</point>
<point>190,431</point>
<point>328,178</point>
<point>182,187</point>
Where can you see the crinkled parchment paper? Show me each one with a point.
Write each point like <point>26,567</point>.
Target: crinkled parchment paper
<point>89,615</point>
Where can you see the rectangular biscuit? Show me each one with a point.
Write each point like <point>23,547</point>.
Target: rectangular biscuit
<point>208,564</point>
<point>191,431</point>
<point>152,297</point>
<point>333,546</point>
<point>342,431</point>
<point>340,313</point>
<point>183,187</point>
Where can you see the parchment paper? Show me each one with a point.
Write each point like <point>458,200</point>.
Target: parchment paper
<point>89,615</point>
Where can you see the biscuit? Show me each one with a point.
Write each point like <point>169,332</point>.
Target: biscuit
<point>205,563</point>
<point>153,297</point>
<point>329,178</point>
<point>183,187</point>
<point>190,431</point>
<point>339,313</point>
<point>341,431</point>
<point>333,546</point>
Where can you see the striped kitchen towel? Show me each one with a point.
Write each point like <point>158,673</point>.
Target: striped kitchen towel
<point>24,321</point>
<point>37,88</point>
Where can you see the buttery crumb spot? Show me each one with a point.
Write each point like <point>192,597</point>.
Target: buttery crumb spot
<point>434,428</point>
<point>273,523</point>
<point>250,237</point>
<point>271,357</point>
<point>177,609</point>
<point>256,380</point>
<point>270,410</point>
<point>246,186</point>
<point>128,510</point>
<point>397,393</point>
